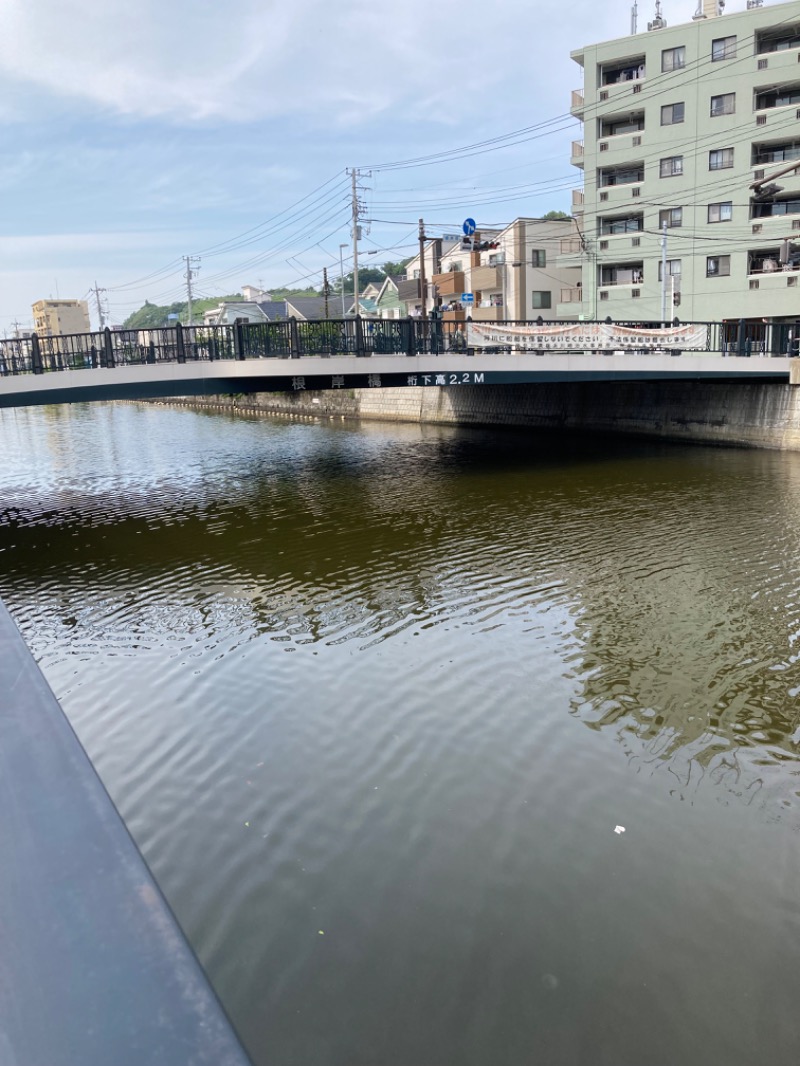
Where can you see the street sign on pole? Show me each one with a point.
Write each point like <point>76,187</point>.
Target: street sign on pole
<point>469,226</point>
<point>468,297</point>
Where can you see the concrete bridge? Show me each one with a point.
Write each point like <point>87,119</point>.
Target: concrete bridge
<point>347,354</point>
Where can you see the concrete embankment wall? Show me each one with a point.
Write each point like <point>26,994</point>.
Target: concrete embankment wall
<point>745,414</point>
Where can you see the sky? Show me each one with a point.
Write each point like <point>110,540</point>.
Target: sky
<point>135,134</point>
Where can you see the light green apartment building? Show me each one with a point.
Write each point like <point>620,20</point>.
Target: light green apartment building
<point>697,126</point>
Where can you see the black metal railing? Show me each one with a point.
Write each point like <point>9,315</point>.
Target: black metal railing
<point>356,337</point>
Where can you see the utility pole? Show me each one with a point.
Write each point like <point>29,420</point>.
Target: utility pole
<point>325,290</point>
<point>341,275</point>
<point>191,272</point>
<point>664,275</point>
<point>423,284</point>
<point>100,312</point>
<point>356,234</point>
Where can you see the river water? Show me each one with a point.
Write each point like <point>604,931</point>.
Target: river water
<point>374,700</point>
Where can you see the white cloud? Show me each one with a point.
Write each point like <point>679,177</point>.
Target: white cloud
<point>342,63</point>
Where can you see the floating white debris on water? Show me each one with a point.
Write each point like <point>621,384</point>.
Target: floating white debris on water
<point>619,829</point>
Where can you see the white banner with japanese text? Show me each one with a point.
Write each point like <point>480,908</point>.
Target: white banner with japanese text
<point>588,336</point>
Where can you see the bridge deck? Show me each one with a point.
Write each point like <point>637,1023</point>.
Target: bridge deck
<point>205,377</point>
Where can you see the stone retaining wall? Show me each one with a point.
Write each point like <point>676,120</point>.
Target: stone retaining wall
<point>746,414</point>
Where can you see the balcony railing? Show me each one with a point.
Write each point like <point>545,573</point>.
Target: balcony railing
<point>577,148</point>
<point>571,296</point>
<point>570,245</point>
<point>577,98</point>
<point>450,284</point>
<point>408,290</point>
<point>486,278</point>
<point>578,197</point>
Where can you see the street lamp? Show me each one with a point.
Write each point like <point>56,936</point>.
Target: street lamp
<point>341,275</point>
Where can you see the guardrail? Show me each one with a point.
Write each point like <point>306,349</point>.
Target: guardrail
<point>332,337</point>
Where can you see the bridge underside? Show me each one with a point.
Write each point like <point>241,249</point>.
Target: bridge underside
<point>325,373</point>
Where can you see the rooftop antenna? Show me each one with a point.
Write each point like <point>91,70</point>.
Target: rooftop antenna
<point>659,22</point>
<point>634,16</point>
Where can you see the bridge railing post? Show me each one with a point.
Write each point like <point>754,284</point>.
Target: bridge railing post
<point>180,345</point>
<point>238,339</point>
<point>108,347</point>
<point>360,348</point>
<point>294,339</point>
<point>407,334</point>
<point>37,366</point>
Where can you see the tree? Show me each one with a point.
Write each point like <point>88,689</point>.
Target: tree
<point>556,215</point>
<point>365,276</point>
<point>396,268</point>
<point>154,316</point>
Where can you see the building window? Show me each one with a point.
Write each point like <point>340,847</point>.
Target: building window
<point>671,114</point>
<point>673,58</point>
<point>603,295</point>
<point>720,212</point>
<point>754,283</point>
<point>673,269</point>
<point>723,105</point>
<point>538,257</point>
<point>723,48</point>
<point>670,217</point>
<point>454,265</point>
<point>414,275</point>
<point>720,159</point>
<point>671,167</point>
<point>541,300</point>
<point>718,266</point>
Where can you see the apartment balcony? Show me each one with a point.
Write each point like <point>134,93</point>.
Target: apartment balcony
<point>621,94</point>
<point>616,197</point>
<point>578,197</point>
<point>450,284</point>
<point>625,276</point>
<point>570,253</point>
<point>619,148</point>
<point>774,121</point>
<point>488,314</point>
<point>459,315</point>
<point>408,291</point>
<point>776,227</point>
<point>576,155</point>
<point>577,105</point>
<point>778,63</point>
<point>570,305</point>
<point>487,278</point>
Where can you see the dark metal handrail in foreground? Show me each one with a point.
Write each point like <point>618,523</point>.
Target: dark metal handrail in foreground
<point>94,969</point>
<point>294,340</point>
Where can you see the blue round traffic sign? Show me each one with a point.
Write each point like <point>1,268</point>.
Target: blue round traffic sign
<point>469,226</point>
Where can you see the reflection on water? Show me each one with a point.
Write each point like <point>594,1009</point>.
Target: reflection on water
<point>373,699</point>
